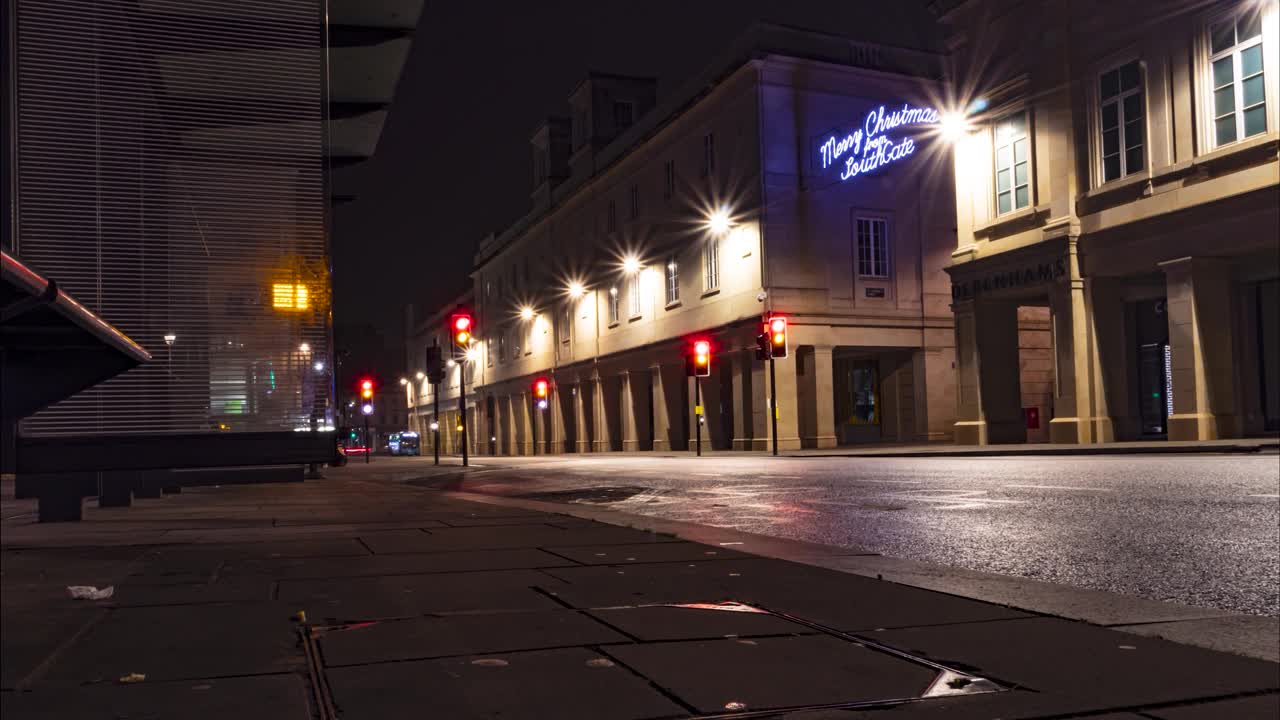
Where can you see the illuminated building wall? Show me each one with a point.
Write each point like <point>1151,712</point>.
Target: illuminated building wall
<point>170,176</point>
<point>1119,176</point>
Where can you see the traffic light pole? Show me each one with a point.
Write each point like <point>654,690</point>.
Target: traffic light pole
<point>462,408</point>
<point>773,401</point>
<point>435,418</point>
<point>697,415</point>
<point>368,442</point>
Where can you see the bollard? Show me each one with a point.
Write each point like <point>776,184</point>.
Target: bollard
<point>115,488</point>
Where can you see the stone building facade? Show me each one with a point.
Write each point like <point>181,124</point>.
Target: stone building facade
<point>1117,184</point>
<point>800,175</point>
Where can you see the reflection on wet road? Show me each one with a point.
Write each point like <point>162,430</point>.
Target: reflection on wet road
<point>1197,529</point>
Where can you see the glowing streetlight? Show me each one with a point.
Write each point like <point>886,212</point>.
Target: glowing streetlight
<point>319,366</point>
<point>576,289</point>
<point>404,381</point>
<point>304,348</point>
<point>450,363</point>
<point>953,126</point>
<point>170,339</point>
<point>526,313</point>
<point>631,265</point>
<point>420,375</point>
<point>718,222</point>
<point>473,354</point>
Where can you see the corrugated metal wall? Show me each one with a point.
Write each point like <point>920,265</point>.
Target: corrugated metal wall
<point>170,176</point>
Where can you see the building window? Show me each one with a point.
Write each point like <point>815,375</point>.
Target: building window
<point>708,154</point>
<point>1122,116</point>
<point>1239,98</point>
<point>635,202</point>
<point>611,222</point>
<point>669,179</point>
<point>633,295</point>
<point>873,247</point>
<point>566,321</point>
<point>1013,164</point>
<point>673,281</point>
<point>711,265</point>
<point>502,346</point>
<point>613,306</point>
<point>624,114</point>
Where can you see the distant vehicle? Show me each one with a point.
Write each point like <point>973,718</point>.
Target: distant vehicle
<point>404,443</point>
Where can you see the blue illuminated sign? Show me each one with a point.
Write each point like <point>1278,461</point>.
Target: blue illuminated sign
<point>872,145</point>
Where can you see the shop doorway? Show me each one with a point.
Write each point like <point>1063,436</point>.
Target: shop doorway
<point>858,405</point>
<point>1036,370</point>
<point>1154,386</point>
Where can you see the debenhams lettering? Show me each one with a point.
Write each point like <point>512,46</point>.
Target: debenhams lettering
<point>1004,280</point>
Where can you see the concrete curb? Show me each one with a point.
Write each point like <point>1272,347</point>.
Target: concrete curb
<point>1108,449</point>
<point>1247,635</point>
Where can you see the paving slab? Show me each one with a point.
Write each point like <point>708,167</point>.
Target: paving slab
<point>775,672</point>
<point>434,637</point>
<point>29,636</point>
<point>271,696</point>
<point>644,553</point>
<point>141,592</point>
<point>1098,667</point>
<point>1249,635</point>
<point>568,684</point>
<point>1258,707</point>
<point>389,596</point>
<point>181,642</point>
<point>484,538</point>
<point>405,564</point>
<point>837,600</point>
<point>673,623</point>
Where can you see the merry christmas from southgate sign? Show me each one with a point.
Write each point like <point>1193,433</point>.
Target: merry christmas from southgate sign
<point>874,145</point>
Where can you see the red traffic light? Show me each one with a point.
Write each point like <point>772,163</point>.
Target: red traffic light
<point>366,389</point>
<point>776,329</point>
<point>701,358</point>
<point>540,388</point>
<point>461,330</point>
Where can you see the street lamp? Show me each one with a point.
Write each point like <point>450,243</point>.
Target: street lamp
<point>304,348</point>
<point>953,126</point>
<point>718,221</point>
<point>319,366</point>
<point>404,381</point>
<point>526,313</point>
<point>631,265</point>
<point>576,289</point>
<point>420,375</point>
<point>473,354</point>
<point>450,363</point>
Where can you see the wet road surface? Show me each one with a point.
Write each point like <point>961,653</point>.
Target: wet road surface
<point>1196,529</point>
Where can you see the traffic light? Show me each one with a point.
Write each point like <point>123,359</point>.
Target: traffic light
<point>435,364</point>
<point>762,346</point>
<point>366,389</point>
<point>777,330</point>
<point>541,389</point>
<point>460,324</point>
<point>701,358</point>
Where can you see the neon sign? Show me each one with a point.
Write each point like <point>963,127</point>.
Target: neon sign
<point>872,146</point>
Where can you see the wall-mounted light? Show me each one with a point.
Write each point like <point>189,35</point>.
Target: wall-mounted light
<point>718,221</point>
<point>526,313</point>
<point>576,289</point>
<point>420,375</point>
<point>631,265</point>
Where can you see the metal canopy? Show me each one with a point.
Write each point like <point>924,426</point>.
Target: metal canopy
<point>51,346</point>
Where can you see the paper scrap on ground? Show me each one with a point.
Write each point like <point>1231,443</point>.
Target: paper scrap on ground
<point>89,592</point>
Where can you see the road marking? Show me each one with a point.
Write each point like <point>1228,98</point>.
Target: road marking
<point>1265,496</point>
<point>1061,487</point>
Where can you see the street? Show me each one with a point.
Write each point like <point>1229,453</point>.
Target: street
<point>1195,529</point>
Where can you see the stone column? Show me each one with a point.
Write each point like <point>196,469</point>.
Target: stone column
<point>1202,348</point>
<point>1073,397</point>
<point>629,412</point>
<point>662,419</point>
<point>603,440</point>
<point>787,410</point>
<point>559,433</point>
<point>817,397</point>
<point>525,431</point>
<point>511,444</point>
<point>1114,413</point>
<point>741,377</point>
<point>581,417</point>
<point>989,397</point>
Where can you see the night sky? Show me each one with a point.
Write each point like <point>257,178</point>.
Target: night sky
<point>453,163</point>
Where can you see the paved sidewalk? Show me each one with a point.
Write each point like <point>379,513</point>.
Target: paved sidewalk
<point>363,598</point>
